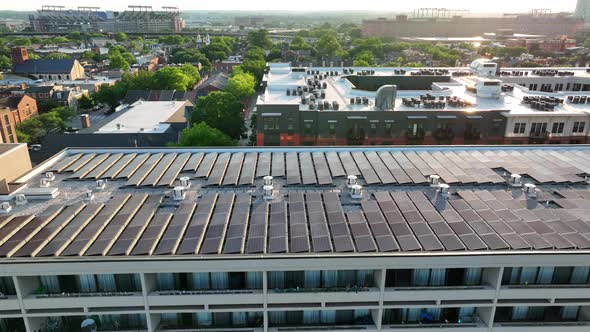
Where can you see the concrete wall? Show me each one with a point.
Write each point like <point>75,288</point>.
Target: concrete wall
<point>14,161</point>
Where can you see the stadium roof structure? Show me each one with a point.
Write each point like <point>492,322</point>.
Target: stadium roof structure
<point>134,212</point>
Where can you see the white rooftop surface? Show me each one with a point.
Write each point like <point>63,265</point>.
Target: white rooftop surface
<point>280,78</point>
<point>143,117</point>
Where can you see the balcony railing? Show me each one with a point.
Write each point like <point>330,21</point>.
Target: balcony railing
<point>434,325</point>
<point>418,288</point>
<point>56,295</point>
<point>205,292</point>
<point>542,324</point>
<point>354,289</point>
<point>323,328</point>
<point>546,286</point>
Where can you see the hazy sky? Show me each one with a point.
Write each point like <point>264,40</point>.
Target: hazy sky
<point>307,5</point>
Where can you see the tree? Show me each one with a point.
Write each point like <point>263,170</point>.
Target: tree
<point>259,38</point>
<point>255,53</point>
<point>241,85</point>
<point>22,42</point>
<point>57,56</point>
<point>5,62</point>
<point>364,59</point>
<point>172,78</point>
<point>85,102</point>
<point>111,94</point>
<point>298,43</point>
<point>203,135</point>
<point>328,45</point>
<point>65,113</point>
<point>120,37</point>
<point>254,67</point>
<point>87,55</point>
<point>221,110</point>
<point>193,73</point>
<point>118,62</point>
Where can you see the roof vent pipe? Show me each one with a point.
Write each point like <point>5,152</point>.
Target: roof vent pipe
<point>356,191</point>
<point>185,182</point>
<point>20,199</point>
<point>515,180</point>
<point>50,176</point>
<point>443,188</point>
<point>178,193</point>
<point>530,190</point>
<point>434,180</point>
<point>88,195</point>
<point>101,184</point>
<point>268,180</point>
<point>267,192</point>
<point>5,208</point>
<point>44,182</point>
<point>351,180</point>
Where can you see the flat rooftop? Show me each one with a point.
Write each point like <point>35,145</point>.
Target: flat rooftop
<point>149,117</point>
<point>339,89</point>
<point>311,212</point>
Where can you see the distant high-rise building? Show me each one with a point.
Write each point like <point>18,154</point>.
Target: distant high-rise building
<point>583,12</point>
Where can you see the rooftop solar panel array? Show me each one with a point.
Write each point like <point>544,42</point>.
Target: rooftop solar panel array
<point>379,167</point>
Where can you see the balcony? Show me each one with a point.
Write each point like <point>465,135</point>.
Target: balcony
<point>466,327</point>
<point>542,327</point>
<point>9,303</point>
<point>80,300</point>
<point>210,297</point>
<point>570,292</point>
<point>341,295</point>
<point>442,293</point>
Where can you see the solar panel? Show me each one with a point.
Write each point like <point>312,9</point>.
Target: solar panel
<point>278,164</point>
<point>172,172</point>
<point>336,168</point>
<point>88,167</point>
<point>408,167</point>
<point>206,165</point>
<point>235,166</point>
<point>320,235</point>
<point>193,236</point>
<point>298,225</point>
<point>144,170</point>
<point>263,167</point>
<point>132,166</point>
<point>360,231</point>
<point>256,242</point>
<point>408,243</point>
<point>80,162</point>
<point>129,235</point>
<point>248,169</point>
<point>384,175</point>
<point>219,169</point>
<point>66,161</point>
<point>349,164</point>
<point>367,171</point>
<point>218,224</point>
<point>95,227</point>
<point>175,231</point>
<point>558,241</point>
<point>473,242</point>
<point>536,241</point>
<point>111,232</point>
<point>193,162</point>
<point>321,168</point>
<point>159,169</point>
<point>118,166</point>
<point>394,168</point>
<point>149,239</point>
<point>420,164</point>
<point>293,173</point>
<point>307,169</point>
<point>99,170</point>
<point>579,240</point>
<point>451,242</point>
<point>494,241</point>
<point>430,243</point>
<point>12,226</point>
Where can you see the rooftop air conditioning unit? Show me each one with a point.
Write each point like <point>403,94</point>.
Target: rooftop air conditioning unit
<point>356,191</point>
<point>530,190</point>
<point>88,195</point>
<point>5,208</point>
<point>267,192</point>
<point>101,184</point>
<point>434,180</point>
<point>44,183</point>
<point>50,176</point>
<point>443,189</point>
<point>515,180</point>
<point>179,193</point>
<point>185,182</point>
<point>351,180</point>
<point>20,199</point>
<point>267,180</point>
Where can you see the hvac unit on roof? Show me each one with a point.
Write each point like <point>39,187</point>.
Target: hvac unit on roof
<point>185,182</point>
<point>44,183</point>
<point>530,190</point>
<point>101,184</point>
<point>50,176</point>
<point>88,195</point>
<point>267,192</point>
<point>434,180</point>
<point>444,188</point>
<point>515,180</point>
<point>268,180</point>
<point>178,193</point>
<point>20,199</point>
<point>5,208</point>
<point>356,191</point>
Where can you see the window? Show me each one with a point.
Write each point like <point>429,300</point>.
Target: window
<point>271,124</point>
<point>290,127</point>
<point>538,128</point>
<point>557,128</point>
<point>533,87</point>
<point>389,129</point>
<point>579,127</point>
<point>519,128</point>
<point>491,83</point>
<point>373,128</point>
<point>308,128</point>
<point>332,128</point>
<point>414,129</point>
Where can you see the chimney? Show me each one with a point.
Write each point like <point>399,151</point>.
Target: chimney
<point>85,120</point>
<point>19,55</point>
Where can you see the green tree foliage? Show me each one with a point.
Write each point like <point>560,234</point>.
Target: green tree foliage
<point>118,62</point>
<point>88,56</point>
<point>172,40</point>
<point>111,94</point>
<point>21,42</point>
<point>120,37</point>
<point>254,67</point>
<point>364,59</point>
<point>57,56</point>
<point>220,110</point>
<point>203,135</point>
<point>32,129</point>
<point>76,35</point>
<point>217,51</point>
<point>193,74</point>
<point>241,85</point>
<point>85,102</point>
<point>171,78</point>
<point>328,45</point>
<point>259,38</point>
<point>191,56</point>
<point>299,43</point>
<point>5,62</point>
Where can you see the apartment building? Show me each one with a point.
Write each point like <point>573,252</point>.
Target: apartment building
<point>300,239</point>
<point>338,106</point>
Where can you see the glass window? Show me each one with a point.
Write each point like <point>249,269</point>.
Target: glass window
<point>519,128</point>
<point>332,128</point>
<point>579,127</point>
<point>557,128</point>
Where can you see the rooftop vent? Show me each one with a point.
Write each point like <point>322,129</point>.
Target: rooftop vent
<point>434,180</point>
<point>444,188</point>
<point>5,208</point>
<point>515,180</point>
<point>351,180</point>
<point>530,190</point>
<point>44,183</point>
<point>88,195</point>
<point>50,176</point>
<point>268,180</point>
<point>185,182</point>
<point>20,199</point>
<point>267,192</point>
<point>356,191</point>
<point>179,193</point>
<point>101,184</point>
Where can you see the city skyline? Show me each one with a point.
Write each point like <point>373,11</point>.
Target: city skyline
<point>307,5</point>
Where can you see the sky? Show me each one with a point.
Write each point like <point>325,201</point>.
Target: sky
<point>496,6</point>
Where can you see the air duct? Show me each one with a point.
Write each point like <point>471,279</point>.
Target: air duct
<point>185,182</point>
<point>356,191</point>
<point>267,192</point>
<point>515,180</point>
<point>268,180</point>
<point>530,190</point>
<point>179,193</point>
<point>434,180</point>
<point>101,184</point>
<point>5,208</point>
<point>351,180</point>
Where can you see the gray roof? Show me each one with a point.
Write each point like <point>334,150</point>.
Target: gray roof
<point>159,95</point>
<point>44,67</point>
<point>311,210</point>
